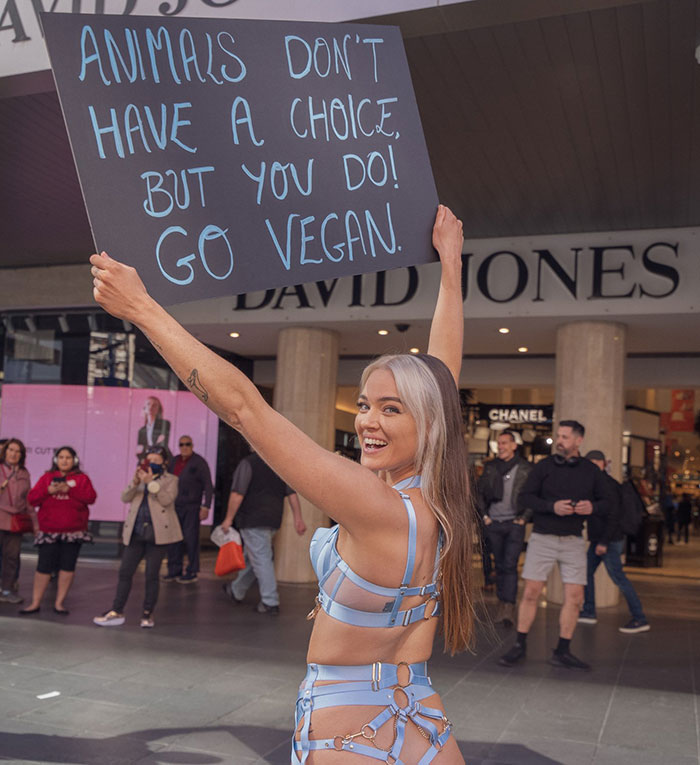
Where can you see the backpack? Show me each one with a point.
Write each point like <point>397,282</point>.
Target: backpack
<point>632,509</point>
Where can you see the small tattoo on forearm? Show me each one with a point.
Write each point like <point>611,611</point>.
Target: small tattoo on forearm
<point>154,343</point>
<point>193,382</point>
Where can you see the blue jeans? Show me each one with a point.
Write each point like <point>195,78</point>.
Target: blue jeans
<point>613,564</point>
<point>257,549</point>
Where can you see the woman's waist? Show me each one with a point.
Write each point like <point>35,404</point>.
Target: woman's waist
<point>338,644</point>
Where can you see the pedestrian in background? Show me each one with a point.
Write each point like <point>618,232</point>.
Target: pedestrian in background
<point>504,521</point>
<point>685,516</point>
<point>255,506</point>
<point>194,495</point>
<point>150,527</point>
<point>562,490</point>
<point>606,544</point>
<point>14,487</point>
<point>62,496</point>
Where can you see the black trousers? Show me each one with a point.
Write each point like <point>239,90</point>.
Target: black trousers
<point>10,545</point>
<point>135,551</point>
<point>506,540</point>
<point>188,516</point>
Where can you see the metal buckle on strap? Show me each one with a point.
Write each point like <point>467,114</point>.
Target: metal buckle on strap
<point>406,618</point>
<point>376,675</point>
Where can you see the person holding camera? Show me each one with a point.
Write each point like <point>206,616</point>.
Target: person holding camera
<point>150,527</point>
<point>14,487</point>
<point>562,491</point>
<point>62,496</point>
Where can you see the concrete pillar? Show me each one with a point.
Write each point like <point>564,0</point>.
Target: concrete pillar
<point>305,393</point>
<point>590,388</point>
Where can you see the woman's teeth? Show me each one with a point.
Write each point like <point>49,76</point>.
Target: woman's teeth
<point>374,443</point>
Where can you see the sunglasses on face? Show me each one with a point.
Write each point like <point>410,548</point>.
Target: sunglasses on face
<point>186,443</point>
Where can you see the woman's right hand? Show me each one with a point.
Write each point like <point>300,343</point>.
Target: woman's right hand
<point>118,288</point>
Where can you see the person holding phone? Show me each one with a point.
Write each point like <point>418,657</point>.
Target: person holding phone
<point>150,527</point>
<point>62,496</point>
<point>562,490</point>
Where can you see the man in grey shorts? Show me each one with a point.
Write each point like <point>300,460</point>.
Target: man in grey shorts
<point>561,490</point>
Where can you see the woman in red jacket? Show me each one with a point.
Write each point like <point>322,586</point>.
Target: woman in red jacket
<point>62,496</point>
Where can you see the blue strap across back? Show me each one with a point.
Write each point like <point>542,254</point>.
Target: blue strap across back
<point>326,560</point>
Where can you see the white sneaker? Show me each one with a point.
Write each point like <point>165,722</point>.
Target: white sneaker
<point>109,619</point>
<point>584,619</point>
<point>147,620</point>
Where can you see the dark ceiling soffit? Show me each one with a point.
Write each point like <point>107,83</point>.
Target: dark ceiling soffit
<point>477,14</point>
<point>27,84</point>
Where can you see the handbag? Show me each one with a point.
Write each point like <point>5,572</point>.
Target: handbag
<point>229,559</point>
<point>20,523</point>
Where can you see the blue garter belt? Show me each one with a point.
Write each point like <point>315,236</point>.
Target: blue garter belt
<point>370,685</point>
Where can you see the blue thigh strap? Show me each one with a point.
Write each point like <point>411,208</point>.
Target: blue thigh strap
<point>369,685</point>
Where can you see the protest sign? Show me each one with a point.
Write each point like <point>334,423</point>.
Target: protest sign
<point>224,156</point>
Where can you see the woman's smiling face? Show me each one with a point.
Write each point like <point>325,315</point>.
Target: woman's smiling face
<point>387,431</point>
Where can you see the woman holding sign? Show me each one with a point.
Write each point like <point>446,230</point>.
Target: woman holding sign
<point>400,555</point>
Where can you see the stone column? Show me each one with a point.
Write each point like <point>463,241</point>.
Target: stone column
<point>305,393</point>
<point>590,388</point>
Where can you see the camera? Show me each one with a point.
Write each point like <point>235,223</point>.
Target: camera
<point>58,479</point>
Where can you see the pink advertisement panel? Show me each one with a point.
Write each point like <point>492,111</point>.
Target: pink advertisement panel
<point>108,427</point>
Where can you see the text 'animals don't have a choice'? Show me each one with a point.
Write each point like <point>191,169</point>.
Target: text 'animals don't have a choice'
<point>221,157</point>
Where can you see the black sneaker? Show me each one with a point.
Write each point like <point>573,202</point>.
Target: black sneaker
<point>186,579</point>
<point>261,608</point>
<point>170,577</point>
<point>568,660</point>
<point>634,626</point>
<point>517,653</point>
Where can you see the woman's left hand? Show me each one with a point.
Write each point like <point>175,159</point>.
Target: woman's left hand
<point>447,236</point>
<point>118,288</point>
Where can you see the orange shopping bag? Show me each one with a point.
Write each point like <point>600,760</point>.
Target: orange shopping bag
<point>229,559</point>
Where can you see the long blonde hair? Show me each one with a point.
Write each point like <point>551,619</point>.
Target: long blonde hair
<point>427,388</point>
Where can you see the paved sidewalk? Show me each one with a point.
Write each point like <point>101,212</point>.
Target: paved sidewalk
<point>216,683</point>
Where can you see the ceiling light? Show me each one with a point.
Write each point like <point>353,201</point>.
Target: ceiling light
<point>31,324</point>
<point>522,349</point>
<point>504,330</point>
<point>382,331</point>
<point>549,441</point>
<point>414,350</point>
<point>234,334</point>
<point>63,324</point>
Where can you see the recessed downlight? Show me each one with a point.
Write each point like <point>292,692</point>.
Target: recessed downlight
<point>234,334</point>
<point>414,350</point>
<point>504,330</point>
<point>523,349</point>
<point>382,331</point>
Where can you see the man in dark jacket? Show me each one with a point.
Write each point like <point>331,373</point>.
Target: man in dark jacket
<point>606,545</point>
<point>256,505</point>
<point>562,491</point>
<point>192,507</point>
<point>504,522</point>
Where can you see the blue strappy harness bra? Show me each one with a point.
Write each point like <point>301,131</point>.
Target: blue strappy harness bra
<point>371,684</point>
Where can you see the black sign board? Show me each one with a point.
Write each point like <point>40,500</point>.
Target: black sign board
<point>224,156</point>
<point>516,414</point>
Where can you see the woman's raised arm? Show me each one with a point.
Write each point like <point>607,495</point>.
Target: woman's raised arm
<point>343,489</point>
<point>447,328</point>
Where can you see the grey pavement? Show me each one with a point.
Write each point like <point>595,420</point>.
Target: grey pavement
<point>216,683</point>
